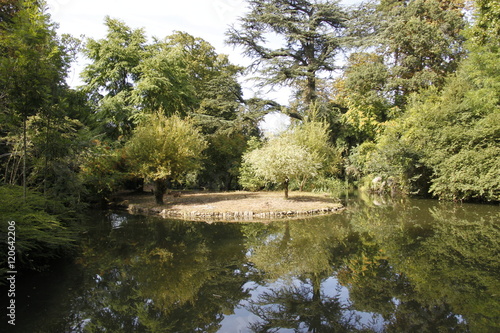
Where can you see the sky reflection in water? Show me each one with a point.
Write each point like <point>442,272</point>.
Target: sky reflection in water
<point>404,266</point>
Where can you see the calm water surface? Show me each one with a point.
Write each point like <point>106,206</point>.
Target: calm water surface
<point>400,266</point>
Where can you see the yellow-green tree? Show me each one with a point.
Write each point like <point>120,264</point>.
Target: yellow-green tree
<point>165,149</point>
<point>314,136</point>
<point>279,160</point>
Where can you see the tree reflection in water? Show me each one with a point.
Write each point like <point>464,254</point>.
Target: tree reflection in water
<point>302,255</point>
<point>404,266</point>
<point>415,266</point>
<point>161,277</point>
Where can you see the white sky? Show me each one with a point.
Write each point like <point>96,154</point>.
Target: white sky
<point>200,18</point>
<point>208,19</point>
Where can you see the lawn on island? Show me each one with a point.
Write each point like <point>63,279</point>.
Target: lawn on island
<point>239,201</point>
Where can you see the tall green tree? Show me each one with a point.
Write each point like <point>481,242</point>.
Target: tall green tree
<point>456,132</point>
<point>36,132</point>
<point>449,137</point>
<point>179,74</point>
<point>309,35</point>
<point>421,41</point>
<point>205,66</point>
<point>33,66</point>
<point>402,48</point>
<point>184,74</point>
<point>111,75</point>
<point>164,83</point>
<point>361,94</point>
<point>220,108</point>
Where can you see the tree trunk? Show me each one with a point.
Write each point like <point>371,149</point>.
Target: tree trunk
<point>302,183</point>
<point>285,241</point>
<point>160,188</point>
<point>311,90</point>
<point>228,183</point>
<point>46,157</point>
<point>311,96</point>
<point>285,184</point>
<point>315,323</point>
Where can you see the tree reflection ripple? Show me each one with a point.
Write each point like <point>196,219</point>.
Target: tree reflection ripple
<point>404,266</point>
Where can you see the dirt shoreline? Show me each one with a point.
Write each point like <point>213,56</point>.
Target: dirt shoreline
<point>230,206</point>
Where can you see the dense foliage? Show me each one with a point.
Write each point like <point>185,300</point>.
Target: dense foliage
<point>413,106</point>
<point>42,229</point>
<point>456,132</point>
<point>445,142</point>
<point>42,132</point>
<point>165,149</point>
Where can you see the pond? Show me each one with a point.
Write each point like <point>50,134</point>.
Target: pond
<point>381,266</point>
